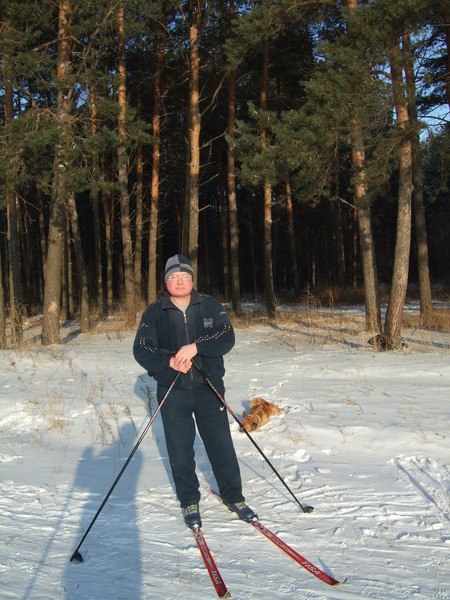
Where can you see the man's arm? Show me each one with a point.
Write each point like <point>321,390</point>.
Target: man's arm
<point>220,338</point>
<point>146,348</point>
<point>149,355</point>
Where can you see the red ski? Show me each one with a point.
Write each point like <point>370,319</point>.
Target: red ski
<point>213,571</point>
<point>299,559</point>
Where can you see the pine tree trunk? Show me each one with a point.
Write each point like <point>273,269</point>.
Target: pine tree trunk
<point>208,281</point>
<point>138,224</point>
<point>3,344</point>
<point>97,253</point>
<point>96,206</point>
<point>15,293</point>
<point>232,201</point>
<point>69,258</point>
<point>154,202</point>
<point>394,313</point>
<point>122,164</point>
<point>268,259</point>
<point>355,262</point>
<point>42,236</point>
<point>65,293</point>
<point>26,248</point>
<point>83,298</point>
<point>52,292</point>
<point>336,224</point>
<point>275,231</point>
<point>225,252</point>
<point>108,212</point>
<point>314,269</point>
<point>292,244</point>
<point>426,306</point>
<point>192,221</point>
<point>338,243</point>
<point>252,253</point>
<point>364,217</point>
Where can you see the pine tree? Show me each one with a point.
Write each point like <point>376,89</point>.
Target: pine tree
<point>122,172</point>
<point>231,181</point>
<point>3,344</point>
<point>363,211</point>
<point>155,181</point>
<point>52,293</point>
<point>426,306</point>
<point>394,313</point>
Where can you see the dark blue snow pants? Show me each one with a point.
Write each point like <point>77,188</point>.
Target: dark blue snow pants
<point>178,413</point>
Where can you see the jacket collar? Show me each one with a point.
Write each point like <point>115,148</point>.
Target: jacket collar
<point>167,302</point>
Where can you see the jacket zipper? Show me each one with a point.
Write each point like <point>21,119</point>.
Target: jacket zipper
<point>187,341</point>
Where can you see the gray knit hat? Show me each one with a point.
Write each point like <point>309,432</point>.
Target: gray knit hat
<point>176,264</point>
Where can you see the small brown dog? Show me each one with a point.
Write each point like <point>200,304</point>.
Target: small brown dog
<point>260,411</point>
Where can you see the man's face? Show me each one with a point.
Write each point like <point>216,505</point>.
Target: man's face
<point>179,285</point>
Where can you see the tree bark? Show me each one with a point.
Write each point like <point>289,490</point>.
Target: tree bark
<point>194,122</point>
<point>122,164</point>
<point>154,202</point>
<point>225,248</point>
<point>138,223</point>
<point>232,199</point>
<point>252,253</point>
<point>426,306</point>
<point>3,344</point>
<point>366,242</point>
<point>394,314</point>
<point>66,296</point>
<point>15,287</point>
<point>96,205</point>
<point>83,297</point>
<point>42,236</point>
<point>268,263</point>
<point>292,244</point>
<point>108,211</point>
<point>338,264</point>
<point>52,292</point>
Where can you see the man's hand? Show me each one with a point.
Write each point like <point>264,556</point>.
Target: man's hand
<point>182,361</point>
<point>183,367</point>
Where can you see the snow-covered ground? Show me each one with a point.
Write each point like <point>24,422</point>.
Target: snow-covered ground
<point>364,437</point>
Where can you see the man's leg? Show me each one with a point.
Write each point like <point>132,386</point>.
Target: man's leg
<point>215,432</point>
<point>179,430</point>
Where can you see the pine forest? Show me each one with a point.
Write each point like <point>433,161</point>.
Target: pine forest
<point>287,147</point>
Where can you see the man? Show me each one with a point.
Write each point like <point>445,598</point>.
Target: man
<point>180,327</point>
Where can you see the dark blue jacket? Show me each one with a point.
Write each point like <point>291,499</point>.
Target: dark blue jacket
<point>164,329</point>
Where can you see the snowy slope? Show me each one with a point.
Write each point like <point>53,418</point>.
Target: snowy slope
<point>364,437</point>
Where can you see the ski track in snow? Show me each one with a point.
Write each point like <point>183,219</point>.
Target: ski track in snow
<point>363,437</point>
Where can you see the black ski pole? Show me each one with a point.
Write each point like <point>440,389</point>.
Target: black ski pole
<point>306,508</point>
<point>76,556</point>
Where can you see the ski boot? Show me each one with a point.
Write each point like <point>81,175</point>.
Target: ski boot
<point>191,516</point>
<point>243,511</point>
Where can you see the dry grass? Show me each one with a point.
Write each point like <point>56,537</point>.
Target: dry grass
<point>315,308</point>
<point>439,320</point>
<point>306,318</point>
<point>321,309</point>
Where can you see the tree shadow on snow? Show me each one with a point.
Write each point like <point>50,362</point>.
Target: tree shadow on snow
<point>112,566</point>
